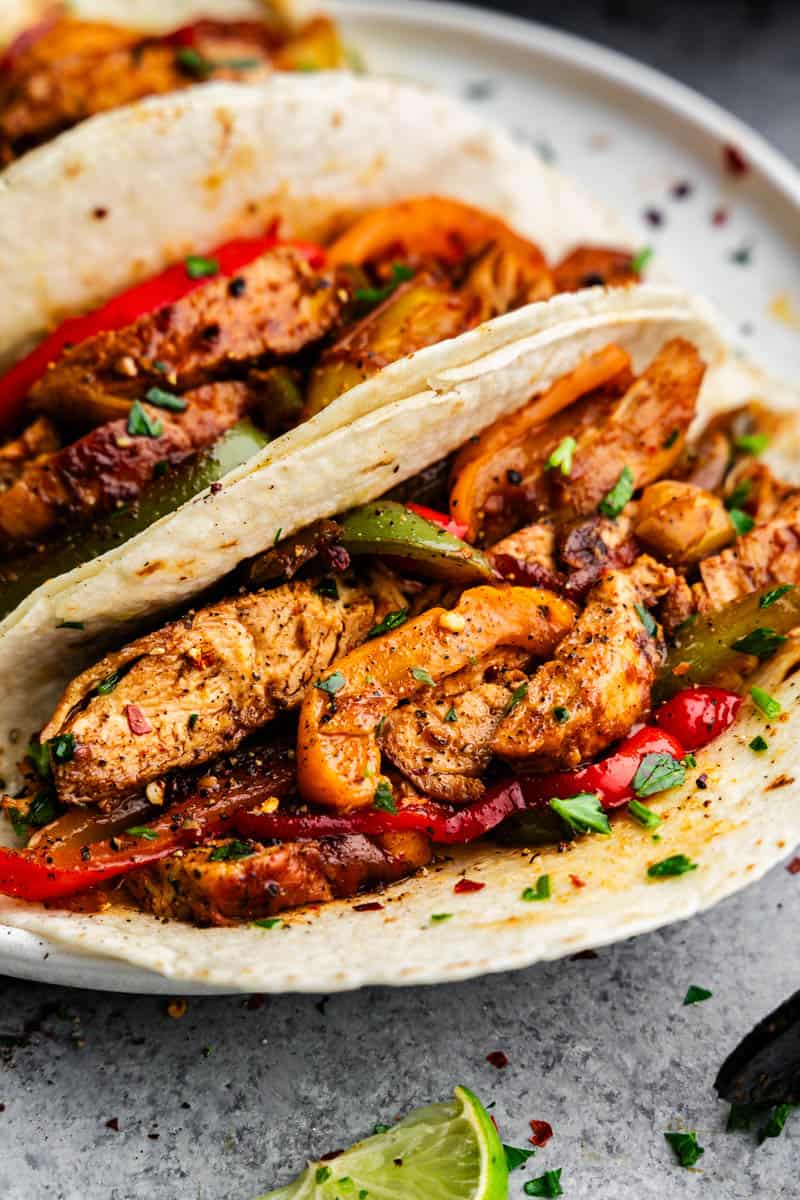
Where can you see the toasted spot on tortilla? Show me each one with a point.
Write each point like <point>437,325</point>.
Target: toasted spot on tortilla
<point>780,781</point>
<point>151,568</point>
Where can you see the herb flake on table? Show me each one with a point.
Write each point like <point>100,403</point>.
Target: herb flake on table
<point>548,1184</point>
<point>516,1156</point>
<point>686,1147</point>
<point>696,995</point>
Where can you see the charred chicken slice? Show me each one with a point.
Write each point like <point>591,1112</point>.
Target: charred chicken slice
<point>198,687</point>
<point>40,437</point>
<point>769,553</point>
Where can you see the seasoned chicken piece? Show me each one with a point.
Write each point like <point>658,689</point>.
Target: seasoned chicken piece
<point>442,741</point>
<point>534,543</point>
<point>594,689</point>
<point>653,580</point>
<point>594,266</point>
<point>206,888</point>
<point>279,306</point>
<point>109,466</point>
<point>769,553</point>
<point>645,432</point>
<point>199,686</point>
<point>681,522</point>
<point>40,437</point>
<point>754,487</point>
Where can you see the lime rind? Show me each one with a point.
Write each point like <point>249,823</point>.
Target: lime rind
<point>446,1151</point>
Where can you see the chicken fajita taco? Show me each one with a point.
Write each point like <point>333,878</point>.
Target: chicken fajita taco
<point>65,63</point>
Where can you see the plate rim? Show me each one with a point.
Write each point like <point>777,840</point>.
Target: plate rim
<point>27,956</point>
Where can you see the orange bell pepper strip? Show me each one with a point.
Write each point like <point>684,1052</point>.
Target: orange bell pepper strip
<point>428,227</point>
<point>338,756</point>
<point>480,464</point>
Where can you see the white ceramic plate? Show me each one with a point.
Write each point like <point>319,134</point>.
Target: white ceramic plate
<point>649,147</point>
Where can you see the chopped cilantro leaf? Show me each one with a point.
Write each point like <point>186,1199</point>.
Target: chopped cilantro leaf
<point>582,813</point>
<point>762,642</point>
<point>323,1174</point>
<point>107,685</point>
<point>193,719</point>
<point>548,1184</point>
<point>561,457</point>
<point>333,684</point>
<point>641,258</point>
<point>378,1129</point>
<point>742,522</point>
<point>267,922</point>
<point>516,1156</point>
<point>614,501</point>
<point>517,696</point>
<point>162,399</point>
<point>658,773</point>
<point>392,620</point>
<point>328,588</point>
<point>687,1151</point>
<point>39,754</point>
<point>645,816</point>
<point>198,267</point>
<point>676,864</point>
<point>141,831</point>
<point>739,495</point>
<point>195,64</point>
<point>775,1122</point>
<point>383,798</point>
<point>542,890</point>
<point>689,760</point>
<point>422,676</point>
<point>740,1116</point>
<point>696,995</point>
<point>70,625</point>
<point>759,744</point>
<point>765,703</point>
<point>62,748</point>
<point>752,443</point>
<point>670,440</point>
<point>647,620</point>
<point>400,273</point>
<point>437,918</point>
<point>141,424</point>
<point>560,714</point>
<point>451,715</point>
<point>230,851</point>
<point>775,594</point>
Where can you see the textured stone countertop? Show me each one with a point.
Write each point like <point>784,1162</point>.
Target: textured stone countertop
<point>106,1097</point>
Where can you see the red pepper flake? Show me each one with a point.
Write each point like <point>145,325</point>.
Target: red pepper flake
<point>113,1124</point>
<point>137,721</point>
<point>465,886</point>
<point>498,1059</point>
<point>720,216</point>
<point>216,488</point>
<point>576,881</point>
<point>735,161</point>
<point>794,866</point>
<point>370,906</point>
<point>542,1132</point>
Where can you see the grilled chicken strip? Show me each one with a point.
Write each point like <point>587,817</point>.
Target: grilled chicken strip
<point>278,306</point>
<point>199,686</point>
<point>645,432</point>
<point>602,674</point>
<point>594,266</point>
<point>109,466</point>
<point>769,553</point>
<point>40,437</point>
<point>442,742</point>
<point>205,888</point>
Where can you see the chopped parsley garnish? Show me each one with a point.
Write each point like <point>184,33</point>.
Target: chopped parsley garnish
<point>687,1151</point>
<point>560,714</point>
<point>333,684</point>
<point>775,1122</point>
<point>193,719</point>
<point>765,703</point>
<point>740,1116</point>
<point>752,443</point>
<point>328,588</point>
<point>383,798</point>
<point>645,816</point>
<point>141,831</point>
<point>739,495</point>
<point>378,1129</point>
<point>230,851</point>
<point>437,918</point>
<point>277,537</point>
<point>775,594</point>
<point>689,760</point>
<point>41,811</point>
<point>542,890</point>
<point>62,748</point>
<point>392,620</point>
<point>582,813</point>
<point>651,628</point>
<point>670,440</point>
<point>141,424</point>
<point>658,773</point>
<point>548,1184</point>
<point>759,744</point>
<point>451,715</point>
<point>323,1174</point>
<point>561,457</point>
<point>107,685</point>
<point>267,922</point>
<point>198,267</point>
<point>614,501</point>
<point>167,400</point>
<point>517,696</point>
<point>516,1156</point>
<point>741,521</point>
<point>641,258</point>
<point>676,864</point>
<point>193,63</point>
<point>696,995</point>
<point>423,676</point>
<point>39,754</point>
<point>762,642</point>
<point>400,273</point>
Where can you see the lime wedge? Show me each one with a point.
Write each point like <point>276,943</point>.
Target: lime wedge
<point>442,1152</point>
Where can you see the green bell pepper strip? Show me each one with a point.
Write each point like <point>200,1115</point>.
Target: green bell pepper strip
<point>390,529</point>
<point>21,576</point>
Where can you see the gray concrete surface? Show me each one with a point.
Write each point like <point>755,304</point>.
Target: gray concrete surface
<point>230,1098</point>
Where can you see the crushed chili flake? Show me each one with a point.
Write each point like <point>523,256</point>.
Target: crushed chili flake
<point>719,216</point>
<point>794,866</point>
<point>498,1059</point>
<point>137,721</point>
<point>468,885</point>
<point>735,161</point>
<point>370,906</point>
<point>216,488</point>
<point>113,1123</point>
<point>576,881</point>
<point>542,1132</point>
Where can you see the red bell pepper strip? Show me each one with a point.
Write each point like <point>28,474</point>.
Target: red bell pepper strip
<point>697,715</point>
<point>165,288</point>
<point>449,524</point>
